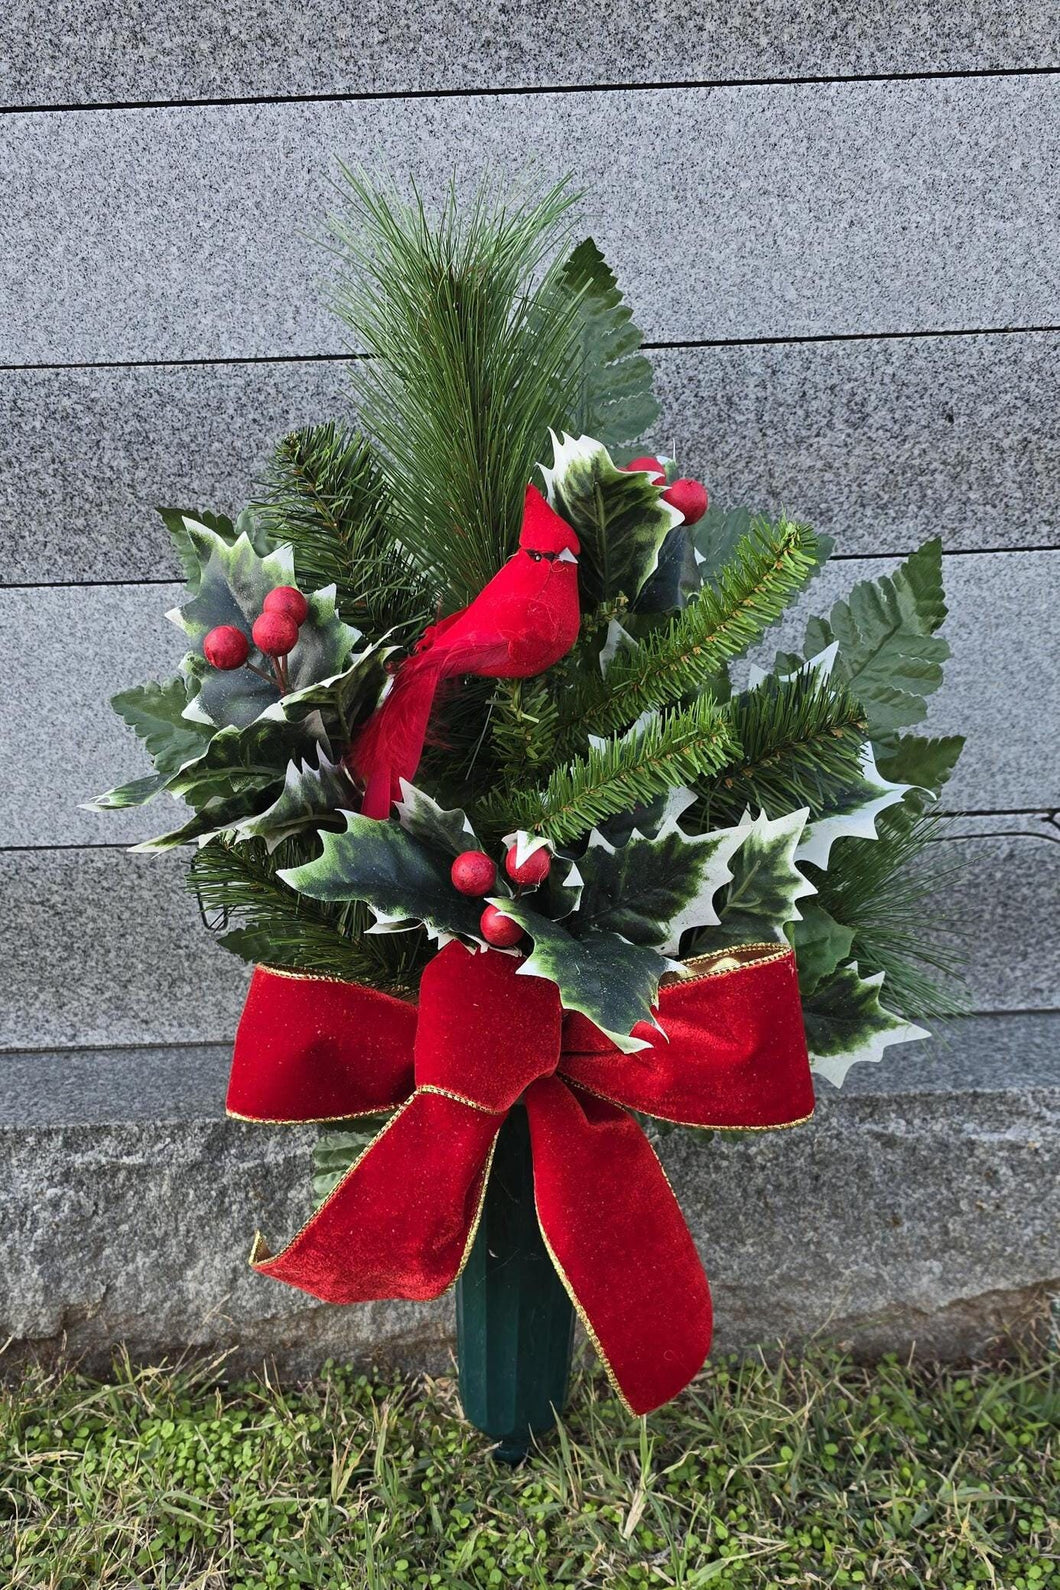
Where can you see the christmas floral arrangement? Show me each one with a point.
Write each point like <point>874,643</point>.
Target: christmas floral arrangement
<point>530,861</point>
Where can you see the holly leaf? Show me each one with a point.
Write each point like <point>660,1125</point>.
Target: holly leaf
<point>677,575</point>
<point>821,944</point>
<point>620,519</point>
<point>403,880</point>
<point>852,811</point>
<point>615,400</point>
<point>613,982</point>
<point>177,520</point>
<point>136,793</point>
<point>845,1023</point>
<point>312,792</point>
<point>889,654</point>
<point>238,761</point>
<point>218,815</point>
<point>766,884</point>
<point>650,890</point>
<point>155,712</point>
<point>925,763</point>
<point>234,580</point>
<point>429,824</point>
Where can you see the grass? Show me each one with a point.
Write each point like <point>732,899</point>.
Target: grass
<point>803,1473</point>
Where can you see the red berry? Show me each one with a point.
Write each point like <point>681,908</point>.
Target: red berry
<point>653,466</point>
<point>535,869</point>
<point>226,647</point>
<point>285,599</point>
<point>274,634</point>
<point>689,497</point>
<point>498,929</point>
<point>473,873</point>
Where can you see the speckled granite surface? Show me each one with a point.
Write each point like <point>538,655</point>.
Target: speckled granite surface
<point>134,51</point>
<point>744,212</point>
<point>881,443</point>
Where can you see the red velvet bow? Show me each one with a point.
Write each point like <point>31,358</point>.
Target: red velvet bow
<point>401,1221</point>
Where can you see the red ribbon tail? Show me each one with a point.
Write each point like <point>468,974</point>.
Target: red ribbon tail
<point>619,1242</point>
<point>401,1221</point>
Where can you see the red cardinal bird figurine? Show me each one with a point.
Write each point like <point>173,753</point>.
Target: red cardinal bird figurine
<point>522,622</point>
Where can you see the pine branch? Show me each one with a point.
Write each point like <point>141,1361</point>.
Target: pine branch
<point>887,890</point>
<point>473,338</point>
<point>325,494</point>
<point>800,741</point>
<point>679,661</point>
<point>277,927</point>
<point>675,748</point>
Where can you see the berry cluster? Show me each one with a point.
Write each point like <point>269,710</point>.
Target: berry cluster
<point>474,874</point>
<point>689,497</point>
<point>274,632</point>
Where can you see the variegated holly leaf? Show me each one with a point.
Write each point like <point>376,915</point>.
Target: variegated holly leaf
<point>313,791</point>
<point>136,793</point>
<point>620,519</point>
<point>217,815</point>
<point>237,761</point>
<point>428,823</point>
<point>615,401</point>
<point>845,1023</point>
<point>177,520</point>
<point>403,880</point>
<point>821,944</point>
<point>889,654</point>
<point>853,812</point>
<point>613,982</point>
<point>677,575</point>
<point>234,580</point>
<point>766,884</point>
<point>341,699</point>
<point>650,890</point>
<point>156,713</point>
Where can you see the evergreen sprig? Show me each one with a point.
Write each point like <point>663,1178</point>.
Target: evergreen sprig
<point>672,748</point>
<point>324,492</point>
<point>275,926</point>
<point>887,890</point>
<point>800,741</point>
<point>770,565</point>
<point>523,725</point>
<point>474,339</point>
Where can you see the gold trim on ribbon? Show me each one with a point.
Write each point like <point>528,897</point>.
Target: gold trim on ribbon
<point>706,1126</point>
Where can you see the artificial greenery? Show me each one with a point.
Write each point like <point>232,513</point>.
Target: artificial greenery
<point>692,801</point>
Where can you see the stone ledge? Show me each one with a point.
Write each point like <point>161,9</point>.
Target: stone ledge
<point>916,1209</point>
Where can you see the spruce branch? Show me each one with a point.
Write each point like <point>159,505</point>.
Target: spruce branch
<point>262,920</point>
<point>523,724</point>
<point>800,741</point>
<point>474,338</point>
<point>324,493</point>
<point>684,747</point>
<point>771,563</point>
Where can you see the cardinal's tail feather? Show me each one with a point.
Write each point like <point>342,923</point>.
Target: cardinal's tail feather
<point>389,746</point>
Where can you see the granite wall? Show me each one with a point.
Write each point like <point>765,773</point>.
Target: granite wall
<point>839,229</point>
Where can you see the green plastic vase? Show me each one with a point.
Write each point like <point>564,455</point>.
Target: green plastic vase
<point>514,1320</point>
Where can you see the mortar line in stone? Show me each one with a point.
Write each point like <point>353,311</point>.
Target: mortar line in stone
<point>791,340</point>
<point>528,89</point>
<point>836,557</point>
